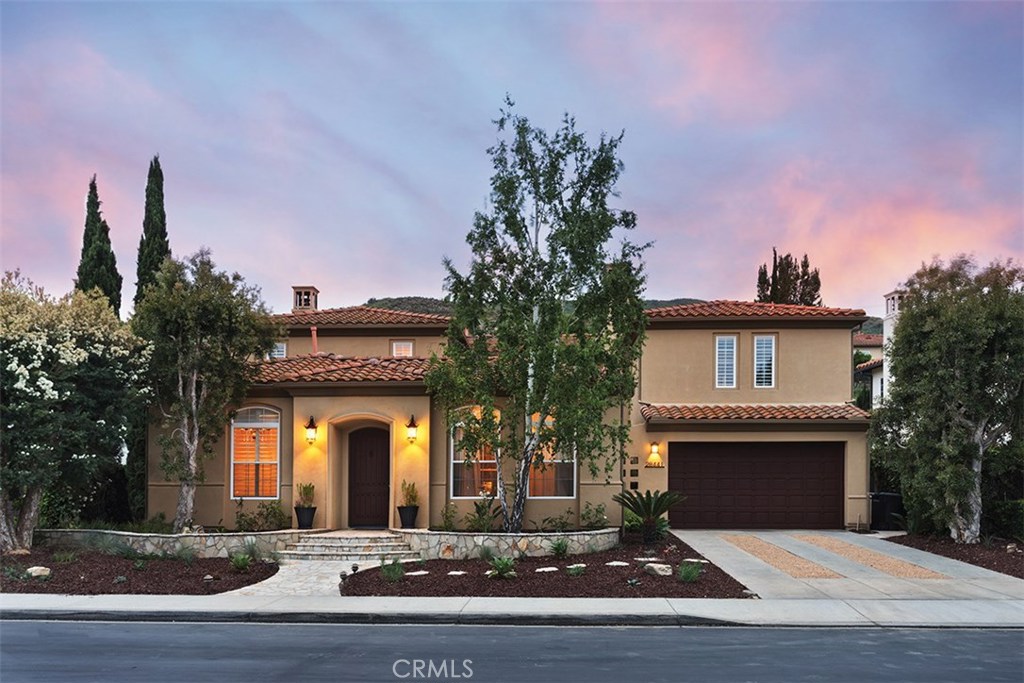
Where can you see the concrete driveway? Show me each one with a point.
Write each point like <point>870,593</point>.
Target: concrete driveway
<point>844,565</point>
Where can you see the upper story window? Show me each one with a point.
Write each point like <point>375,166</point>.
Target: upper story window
<point>255,453</point>
<point>764,361</point>
<point>472,477</point>
<point>401,348</point>
<point>280,350</point>
<point>552,475</point>
<point>725,361</point>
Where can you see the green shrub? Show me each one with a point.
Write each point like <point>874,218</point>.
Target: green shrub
<point>689,572</point>
<point>139,565</point>
<point>269,516</point>
<point>64,556</point>
<point>649,507</point>
<point>240,562</point>
<point>392,571</point>
<point>632,524</point>
<point>15,572</point>
<point>502,568</point>
<point>304,495</point>
<point>560,547</point>
<point>575,570</point>
<point>448,513</point>
<point>410,496</point>
<point>593,517</point>
<point>485,513</point>
<point>558,523</point>
<point>186,555</point>
<point>486,553</point>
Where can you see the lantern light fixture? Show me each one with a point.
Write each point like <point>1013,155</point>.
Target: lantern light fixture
<point>311,430</point>
<point>654,459</point>
<point>412,429</point>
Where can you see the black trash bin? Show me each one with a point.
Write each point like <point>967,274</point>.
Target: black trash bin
<point>886,511</point>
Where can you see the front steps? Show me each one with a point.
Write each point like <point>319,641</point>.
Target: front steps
<point>359,547</point>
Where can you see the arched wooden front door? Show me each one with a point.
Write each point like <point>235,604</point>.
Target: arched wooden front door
<point>369,472</point>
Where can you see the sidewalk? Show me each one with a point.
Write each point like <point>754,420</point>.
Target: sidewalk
<point>232,607</point>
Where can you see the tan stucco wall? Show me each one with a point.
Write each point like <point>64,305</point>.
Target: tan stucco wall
<point>857,503</point>
<point>362,346</point>
<point>812,366</point>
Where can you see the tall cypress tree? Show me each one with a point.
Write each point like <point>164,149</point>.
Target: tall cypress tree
<point>154,246</point>
<point>98,265</point>
<point>790,282</point>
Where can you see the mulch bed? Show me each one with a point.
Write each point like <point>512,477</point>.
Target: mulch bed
<point>94,573</point>
<point>597,581</point>
<point>992,556</point>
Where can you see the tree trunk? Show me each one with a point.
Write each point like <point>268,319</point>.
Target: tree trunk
<point>186,506</point>
<point>514,520</point>
<point>966,524</point>
<point>16,529</point>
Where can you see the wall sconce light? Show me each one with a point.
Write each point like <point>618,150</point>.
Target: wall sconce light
<point>411,429</point>
<point>654,459</point>
<point>311,430</point>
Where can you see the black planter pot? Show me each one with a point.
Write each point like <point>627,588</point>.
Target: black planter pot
<point>305,517</point>
<point>407,513</point>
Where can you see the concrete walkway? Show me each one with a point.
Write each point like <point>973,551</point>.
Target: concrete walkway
<point>307,592</point>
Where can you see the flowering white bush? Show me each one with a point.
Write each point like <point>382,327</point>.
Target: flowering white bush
<point>71,375</point>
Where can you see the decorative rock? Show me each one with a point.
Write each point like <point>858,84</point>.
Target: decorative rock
<point>422,572</point>
<point>542,570</point>
<point>647,559</point>
<point>38,572</point>
<point>573,566</point>
<point>208,577</point>
<point>1012,548</point>
<point>694,559</point>
<point>616,563</point>
<point>656,569</point>
<point>456,573</point>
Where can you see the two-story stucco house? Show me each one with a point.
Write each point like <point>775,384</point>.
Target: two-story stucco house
<point>742,407</point>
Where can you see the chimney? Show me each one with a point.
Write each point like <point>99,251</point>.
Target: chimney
<point>304,298</point>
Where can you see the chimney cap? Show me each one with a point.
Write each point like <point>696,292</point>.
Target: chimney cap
<point>304,298</point>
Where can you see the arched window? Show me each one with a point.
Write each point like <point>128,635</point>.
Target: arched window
<point>256,453</point>
<point>555,475</point>
<point>472,477</point>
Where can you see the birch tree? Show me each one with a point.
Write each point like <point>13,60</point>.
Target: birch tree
<point>957,392</point>
<point>71,377</point>
<point>548,321</point>
<point>207,329</point>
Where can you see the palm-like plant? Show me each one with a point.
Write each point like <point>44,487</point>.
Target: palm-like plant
<point>649,507</point>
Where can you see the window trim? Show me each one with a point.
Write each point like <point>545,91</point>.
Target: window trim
<point>231,453</point>
<point>735,347</point>
<point>451,466</point>
<point>575,477</point>
<point>774,360</point>
<point>272,354</point>
<point>410,342</point>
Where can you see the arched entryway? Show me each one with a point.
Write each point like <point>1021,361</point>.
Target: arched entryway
<point>369,476</point>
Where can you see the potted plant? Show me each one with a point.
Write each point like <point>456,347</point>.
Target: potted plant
<point>410,506</point>
<point>304,508</point>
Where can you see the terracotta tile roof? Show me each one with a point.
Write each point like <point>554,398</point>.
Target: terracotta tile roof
<point>823,411</point>
<point>868,365</point>
<point>360,316</point>
<point>749,309</point>
<point>327,367</point>
<point>861,339</point>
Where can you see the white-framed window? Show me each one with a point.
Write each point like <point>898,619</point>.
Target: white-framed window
<point>401,348</point>
<point>472,477</point>
<point>280,350</point>
<point>764,361</point>
<point>256,453</point>
<point>725,361</point>
<point>554,476</point>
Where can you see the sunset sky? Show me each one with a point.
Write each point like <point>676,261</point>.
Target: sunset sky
<point>343,144</point>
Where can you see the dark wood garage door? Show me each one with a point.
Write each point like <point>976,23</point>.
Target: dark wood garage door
<point>775,485</point>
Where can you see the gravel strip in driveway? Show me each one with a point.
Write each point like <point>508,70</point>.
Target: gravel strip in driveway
<point>795,566</point>
<point>883,563</point>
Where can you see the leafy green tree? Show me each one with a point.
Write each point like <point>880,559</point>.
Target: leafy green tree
<point>154,247</point>
<point>790,282</point>
<point>953,409</point>
<point>548,323</point>
<point>70,380</point>
<point>98,265</point>
<point>206,327</point>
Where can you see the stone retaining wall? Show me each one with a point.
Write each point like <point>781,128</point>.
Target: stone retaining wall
<point>452,545</point>
<point>204,545</point>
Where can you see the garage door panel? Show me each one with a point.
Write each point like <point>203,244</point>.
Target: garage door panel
<point>757,485</point>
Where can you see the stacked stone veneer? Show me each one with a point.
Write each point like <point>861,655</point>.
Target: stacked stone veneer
<point>203,545</point>
<point>446,545</point>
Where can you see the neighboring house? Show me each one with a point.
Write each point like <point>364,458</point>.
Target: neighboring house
<point>746,404</point>
<point>871,372</point>
<point>893,301</point>
<point>870,344</point>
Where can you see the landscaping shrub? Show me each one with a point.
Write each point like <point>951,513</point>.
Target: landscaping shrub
<point>558,522</point>
<point>502,568</point>
<point>240,562</point>
<point>593,517</point>
<point>575,570</point>
<point>632,524</point>
<point>269,516</point>
<point>392,571</point>
<point>649,507</point>
<point>689,572</point>
<point>448,513</point>
<point>560,547</point>
<point>485,513</point>
<point>486,553</point>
